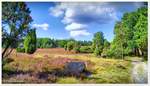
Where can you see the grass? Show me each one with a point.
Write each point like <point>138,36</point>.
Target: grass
<point>102,70</point>
<point>68,80</point>
<point>128,58</point>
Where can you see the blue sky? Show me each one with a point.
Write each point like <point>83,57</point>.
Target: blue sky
<point>78,20</point>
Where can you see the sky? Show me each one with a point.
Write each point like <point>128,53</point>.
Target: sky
<point>80,21</point>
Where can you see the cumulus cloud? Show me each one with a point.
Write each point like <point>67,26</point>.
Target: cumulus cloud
<point>43,26</point>
<point>84,12</point>
<point>75,26</point>
<point>77,16</point>
<point>56,11</point>
<point>79,33</point>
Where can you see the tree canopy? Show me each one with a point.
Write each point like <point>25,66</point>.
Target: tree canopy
<point>98,43</point>
<point>131,34</point>
<point>15,24</point>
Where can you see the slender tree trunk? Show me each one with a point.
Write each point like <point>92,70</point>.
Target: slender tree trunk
<point>5,50</point>
<point>8,52</point>
<point>122,50</point>
<point>136,52</point>
<point>140,52</point>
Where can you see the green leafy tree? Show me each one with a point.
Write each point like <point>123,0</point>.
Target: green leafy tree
<point>128,22</point>
<point>70,45</point>
<point>30,42</point>
<point>46,43</point>
<point>131,35</point>
<point>61,43</point>
<point>141,31</point>
<point>85,43</point>
<point>106,48</point>
<point>15,24</point>
<point>65,46</point>
<point>76,47</point>
<point>117,46</point>
<point>98,43</point>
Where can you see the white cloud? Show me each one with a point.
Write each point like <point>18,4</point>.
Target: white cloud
<point>43,26</point>
<point>84,12</point>
<point>56,11</point>
<point>79,33</point>
<point>75,26</point>
<point>77,16</point>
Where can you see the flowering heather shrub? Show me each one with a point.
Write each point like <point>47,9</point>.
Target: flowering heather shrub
<point>41,64</point>
<point>37,70</point>
<point>29,78</point>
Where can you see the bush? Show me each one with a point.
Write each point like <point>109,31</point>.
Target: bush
<point>86,49</point>
<point>70,45</point>
<point>115,53</point>
<point>20,50</point>
<point>76,47</point>
<point>97,51</point>
<point>65,46</point>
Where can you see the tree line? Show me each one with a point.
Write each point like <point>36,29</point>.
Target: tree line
<point>67,44</point>
<point>131,37</point>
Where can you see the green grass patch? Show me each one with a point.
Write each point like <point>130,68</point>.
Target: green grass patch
<point>68,80</point>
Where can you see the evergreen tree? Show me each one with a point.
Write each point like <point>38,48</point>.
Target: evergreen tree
<point>30,42</point>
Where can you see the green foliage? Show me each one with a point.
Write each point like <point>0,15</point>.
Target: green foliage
<point>116,48</point>
<point>51,43</point>
<point>97,51</point>
<point>20,50</point>
<point>70,45</point>
<point>65,46</point>
<point>141,33</point>
<point>131,35</point>
<point>46,43</point>
<point>30,42</point>
<point>85,43</point>
<point>17,17</point>
<point>98,43</point>
<point>76,47</point>
<point>106,48</point>
<point>61,43</point>
<point>86,49</point>
<point>68,80</point>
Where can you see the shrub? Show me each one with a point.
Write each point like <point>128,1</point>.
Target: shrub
<point>86,49</point>
<point>76,47</point>
<point>65,46</point>
<point>98,43</point>
<point>97,51</point>
<point>70,45</point>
